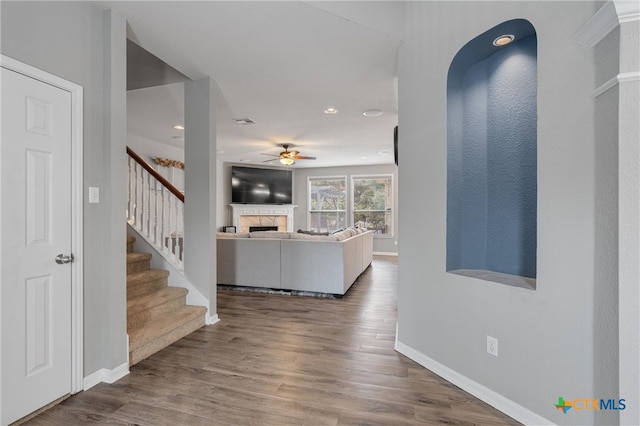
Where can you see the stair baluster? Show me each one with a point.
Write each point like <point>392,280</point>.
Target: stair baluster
<point>156,209</point>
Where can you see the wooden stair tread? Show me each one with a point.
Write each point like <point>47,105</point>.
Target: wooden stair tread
<point>140,337</point>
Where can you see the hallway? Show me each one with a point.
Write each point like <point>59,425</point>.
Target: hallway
<point>284,360</point>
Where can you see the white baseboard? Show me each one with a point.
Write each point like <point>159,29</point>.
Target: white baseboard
<point>385,253</point>
<point>212,319</point>
<point>497,401</point>
<point>105,375</point>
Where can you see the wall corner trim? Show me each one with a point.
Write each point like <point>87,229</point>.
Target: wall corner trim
<point>627,10</point>
<point>499,402</point>
<point>614,81</point>
<point>105,375</point>
<point>602,23</point>
<point>605,20</point>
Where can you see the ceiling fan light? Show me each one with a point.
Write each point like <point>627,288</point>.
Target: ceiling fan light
<point>287,161</point>
<point>372,113</point>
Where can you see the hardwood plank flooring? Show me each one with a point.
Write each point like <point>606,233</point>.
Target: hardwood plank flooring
<point>284,360</point>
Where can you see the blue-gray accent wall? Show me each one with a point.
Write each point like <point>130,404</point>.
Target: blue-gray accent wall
<point>492,155</point>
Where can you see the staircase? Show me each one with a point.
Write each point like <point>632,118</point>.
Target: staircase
<point>157,315</point>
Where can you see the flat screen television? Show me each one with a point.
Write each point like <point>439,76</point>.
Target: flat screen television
<point>251,185</point>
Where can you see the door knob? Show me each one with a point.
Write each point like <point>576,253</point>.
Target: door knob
<point>61,259</point>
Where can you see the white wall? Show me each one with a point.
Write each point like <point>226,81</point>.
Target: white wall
<point>561,339</point>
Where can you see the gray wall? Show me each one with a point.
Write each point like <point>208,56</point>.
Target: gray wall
<point>381,244</point>
<point>561,339</point>
<point>200,188</point>
<point>606,221</point>
<point>629,214</point>
<point>71,40</point>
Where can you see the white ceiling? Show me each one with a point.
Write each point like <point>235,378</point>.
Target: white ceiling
<point>280,63</point>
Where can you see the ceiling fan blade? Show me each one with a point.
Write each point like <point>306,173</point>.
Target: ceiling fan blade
<point>271,155</point>
<point>303,157</point>
<point>268,161</point>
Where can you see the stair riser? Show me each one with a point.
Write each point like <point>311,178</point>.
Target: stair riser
<point>139,319</point>
<point>138,354</point>
<point>133,267</point>
<point>139,288</point>
<point>130,247</point>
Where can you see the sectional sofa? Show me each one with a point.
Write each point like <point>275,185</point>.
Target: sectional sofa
<point>294,261</point>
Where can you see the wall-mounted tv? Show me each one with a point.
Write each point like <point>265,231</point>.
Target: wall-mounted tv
<point>251,185</point>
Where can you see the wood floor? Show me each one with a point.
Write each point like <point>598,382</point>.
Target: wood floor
<point>284,360</point>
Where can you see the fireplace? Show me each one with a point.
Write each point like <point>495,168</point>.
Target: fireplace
<point>246,217</point>
<point>262,228</point>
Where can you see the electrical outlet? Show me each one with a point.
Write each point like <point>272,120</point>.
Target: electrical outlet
<point>492,346</point>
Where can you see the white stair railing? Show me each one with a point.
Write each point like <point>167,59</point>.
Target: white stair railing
<point>155,209</point>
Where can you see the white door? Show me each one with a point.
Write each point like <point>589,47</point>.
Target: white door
<point>35,227</point>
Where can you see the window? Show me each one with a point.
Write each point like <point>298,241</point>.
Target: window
<point>372,201</point>
<point>327,203</point>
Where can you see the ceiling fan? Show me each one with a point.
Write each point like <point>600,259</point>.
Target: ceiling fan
<point>287,157</point>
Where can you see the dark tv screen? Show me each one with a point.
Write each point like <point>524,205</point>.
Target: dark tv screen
<point>261,186</point>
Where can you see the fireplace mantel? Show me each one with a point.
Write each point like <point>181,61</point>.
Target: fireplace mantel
<point>239,210</point>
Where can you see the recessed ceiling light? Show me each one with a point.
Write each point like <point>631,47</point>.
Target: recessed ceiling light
<point>372,113</point>
<point>331,110</point>
<point>503,40</point>
<point>178,127</point>
<point>364,157</point>
<point>244,121</point>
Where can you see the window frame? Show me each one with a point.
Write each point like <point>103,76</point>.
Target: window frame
<point>310,179</point>
<point>352,212</point>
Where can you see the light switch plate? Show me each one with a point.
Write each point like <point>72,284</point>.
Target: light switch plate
<point>94,195</point>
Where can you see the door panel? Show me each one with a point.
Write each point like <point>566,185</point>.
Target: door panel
<point>35,227</point>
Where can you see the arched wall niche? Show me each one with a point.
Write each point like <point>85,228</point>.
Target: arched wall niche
<point>492,157</point>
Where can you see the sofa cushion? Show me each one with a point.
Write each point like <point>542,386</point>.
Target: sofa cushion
<point>232,235</point>
<point>302,231</point>
<point>342,235</point>
<point>297,236</point>
<point>270,234</point>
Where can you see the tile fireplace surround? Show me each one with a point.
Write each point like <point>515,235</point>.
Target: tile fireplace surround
<point>246,215</point>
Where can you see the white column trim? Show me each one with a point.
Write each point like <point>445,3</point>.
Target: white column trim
<point>627,10</point>
<point>614,81</point>
<point>605,20</point>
